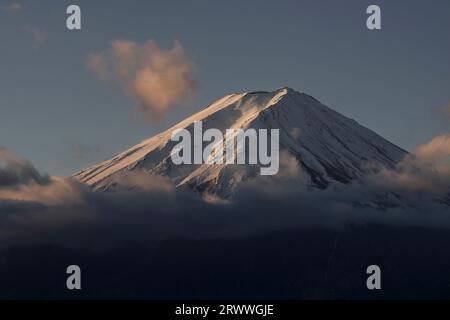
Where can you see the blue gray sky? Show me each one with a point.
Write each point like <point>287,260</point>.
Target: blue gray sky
<point>57,113</point>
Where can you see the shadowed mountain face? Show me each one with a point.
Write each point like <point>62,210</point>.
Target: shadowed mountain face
<point>327,146</point>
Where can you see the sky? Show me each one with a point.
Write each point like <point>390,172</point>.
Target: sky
<point>55,111</point>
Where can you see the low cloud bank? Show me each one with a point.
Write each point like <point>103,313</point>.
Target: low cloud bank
<point>38,209</point>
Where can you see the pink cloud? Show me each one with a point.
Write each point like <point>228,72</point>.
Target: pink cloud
<point>158,79</point>
<point>427,169</point>
<point>436,151</point>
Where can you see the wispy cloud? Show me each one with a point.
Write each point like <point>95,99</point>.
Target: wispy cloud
<point>97,63</point>
<point>81,151</point>
<point>445,111</point>
<point>158,79</point>
<point>39,36</point>
<point>12,7</point>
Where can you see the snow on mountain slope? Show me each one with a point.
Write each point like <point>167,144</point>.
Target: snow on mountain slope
<point>329,147</point>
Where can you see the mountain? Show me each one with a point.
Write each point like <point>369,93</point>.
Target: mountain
<point>329,147</point>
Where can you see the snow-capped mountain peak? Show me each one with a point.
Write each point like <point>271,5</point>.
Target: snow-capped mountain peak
<point>329,147</point>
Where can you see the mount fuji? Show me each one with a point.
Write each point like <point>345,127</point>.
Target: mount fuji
<point>328,147</point>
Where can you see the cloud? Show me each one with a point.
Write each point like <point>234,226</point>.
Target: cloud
<point>158,79</point>
<point>58,192</point>
<point>39,36</point>
<point>445,111</point>
<point>98,64</point>
<point>12,7</point>
<point>80,151</point>
<point>36,209</point>
<point>426,171</point>
<point>16,171</point>
<point>21,182</point>
<point>436,151</point>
